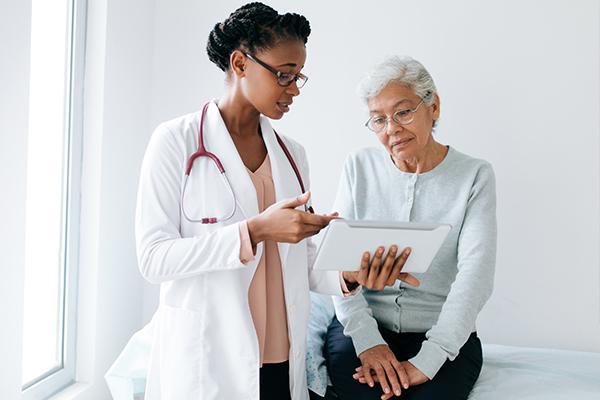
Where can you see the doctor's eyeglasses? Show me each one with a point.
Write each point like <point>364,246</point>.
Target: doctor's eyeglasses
<point>283,78</point>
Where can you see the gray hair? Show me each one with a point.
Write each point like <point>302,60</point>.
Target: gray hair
<point>403,70</point>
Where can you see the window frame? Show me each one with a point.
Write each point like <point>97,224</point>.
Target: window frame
<point>64,375</point>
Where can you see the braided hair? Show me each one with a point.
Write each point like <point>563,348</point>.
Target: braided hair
<point>252,27</point>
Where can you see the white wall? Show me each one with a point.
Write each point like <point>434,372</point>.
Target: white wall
<point>519,83</point>
<point>118,58</point>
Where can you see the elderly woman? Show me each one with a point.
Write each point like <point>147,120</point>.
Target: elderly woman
<point>418,342</point>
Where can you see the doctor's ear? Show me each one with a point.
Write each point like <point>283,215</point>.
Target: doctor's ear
<point>237,61</point>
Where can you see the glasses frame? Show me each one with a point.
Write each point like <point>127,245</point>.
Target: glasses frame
<point>296,77</point>
<point>393,117</point>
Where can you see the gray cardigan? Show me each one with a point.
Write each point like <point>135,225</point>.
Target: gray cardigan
<point>460,191</point>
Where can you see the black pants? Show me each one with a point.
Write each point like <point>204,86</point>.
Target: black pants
<point>454,380</point>
<point>275,381</point>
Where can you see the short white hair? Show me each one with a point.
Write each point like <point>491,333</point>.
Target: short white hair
<point>400,69</point>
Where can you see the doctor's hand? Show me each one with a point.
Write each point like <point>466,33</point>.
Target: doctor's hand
<point>376,274</point>
<point>281,222</point>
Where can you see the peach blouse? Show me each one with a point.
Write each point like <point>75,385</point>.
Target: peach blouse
<point>266,296</point>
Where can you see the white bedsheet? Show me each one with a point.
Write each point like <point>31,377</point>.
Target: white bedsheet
<point>519,373</point>
<point>509,373</point>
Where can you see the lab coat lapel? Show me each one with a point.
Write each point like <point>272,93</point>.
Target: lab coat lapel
<point>217,140</point>
<point>284,179</point>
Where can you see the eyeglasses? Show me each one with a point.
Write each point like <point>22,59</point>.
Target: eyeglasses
<point>283,78</point>
<point>379,123</point>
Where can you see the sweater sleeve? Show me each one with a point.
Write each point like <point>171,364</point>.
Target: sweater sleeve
<point>474,281</point>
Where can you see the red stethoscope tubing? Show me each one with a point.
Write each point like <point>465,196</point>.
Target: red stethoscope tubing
<point>202,152</point>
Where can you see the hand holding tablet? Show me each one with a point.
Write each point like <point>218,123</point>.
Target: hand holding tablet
<point>346,241</point>
<point>378,273</point>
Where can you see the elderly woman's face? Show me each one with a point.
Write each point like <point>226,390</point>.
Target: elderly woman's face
<point>404,141</point>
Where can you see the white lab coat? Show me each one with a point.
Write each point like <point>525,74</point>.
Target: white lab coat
<point>204,345</point>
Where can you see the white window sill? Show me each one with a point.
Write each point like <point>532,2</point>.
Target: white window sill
<point>73,392</point>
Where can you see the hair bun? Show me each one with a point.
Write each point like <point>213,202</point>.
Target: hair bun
<point>253,26</point>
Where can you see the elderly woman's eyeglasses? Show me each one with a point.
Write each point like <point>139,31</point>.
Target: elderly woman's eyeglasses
<point>283,78</point>
<point>378,123</point>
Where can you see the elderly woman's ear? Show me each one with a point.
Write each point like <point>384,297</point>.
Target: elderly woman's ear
<point>435,108</point>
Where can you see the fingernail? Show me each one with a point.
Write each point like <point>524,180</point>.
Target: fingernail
<point>387,390</point>
<point>407,252</point>
<point>371,384</point>
<point>394,249</point>
<point>406,386</point>
<point>398,392</point>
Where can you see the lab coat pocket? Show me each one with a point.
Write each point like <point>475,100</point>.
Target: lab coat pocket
<point>181,353</point>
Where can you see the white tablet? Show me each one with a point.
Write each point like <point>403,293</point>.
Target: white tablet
<point>345,241</point>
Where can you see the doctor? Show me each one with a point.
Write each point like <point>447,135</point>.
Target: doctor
<point>221,223</point>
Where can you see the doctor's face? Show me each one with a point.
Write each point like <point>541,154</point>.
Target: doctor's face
<point>261,86</point>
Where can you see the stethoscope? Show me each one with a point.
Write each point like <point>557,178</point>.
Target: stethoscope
<point>202,152</point>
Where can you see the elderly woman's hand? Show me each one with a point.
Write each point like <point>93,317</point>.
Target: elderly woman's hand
<point>379,364</point>
<point>412,376</point>
<point>375,274</point>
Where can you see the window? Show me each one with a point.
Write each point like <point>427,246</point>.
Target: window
<point>52,206</point>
